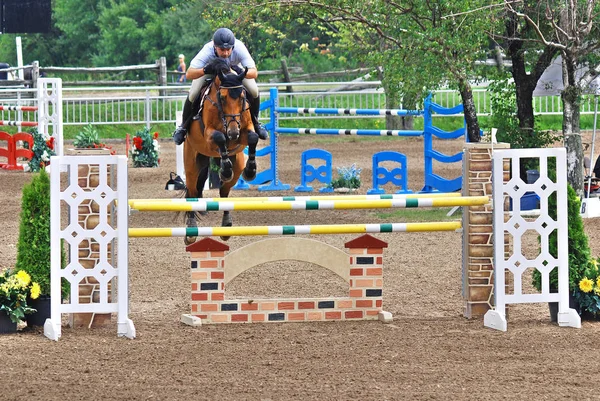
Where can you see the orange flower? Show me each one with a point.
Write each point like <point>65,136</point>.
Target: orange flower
<point>156,135</point>
<point>50,143</point>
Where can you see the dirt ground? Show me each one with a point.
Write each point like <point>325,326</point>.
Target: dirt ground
<point>429,352</point>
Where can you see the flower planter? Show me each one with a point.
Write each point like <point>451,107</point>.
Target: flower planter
<point>6,325</point>
<point>553,308</point>
<point>344,190</point>
<point>42,307</point>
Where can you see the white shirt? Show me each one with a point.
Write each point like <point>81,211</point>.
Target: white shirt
<point>239,55</point>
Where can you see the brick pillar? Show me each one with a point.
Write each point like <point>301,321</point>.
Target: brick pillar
<point>478,245</point>
<point>208,280</point>
<point>366,276</point>
<point>88,218</point>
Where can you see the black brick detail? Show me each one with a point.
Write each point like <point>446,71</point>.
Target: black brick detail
<point>276,316</point>
<point>326,304</point>
<point>364,260</point>
<point>194,264</point>
<point>209,286</point>
<point>373,293</point>
<point>225,307</point>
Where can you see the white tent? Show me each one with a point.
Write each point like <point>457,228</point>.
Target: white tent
<point>551,82</point>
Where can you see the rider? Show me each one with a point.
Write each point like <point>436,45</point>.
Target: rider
<point>224,45</point>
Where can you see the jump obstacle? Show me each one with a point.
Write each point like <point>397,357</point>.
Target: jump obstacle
<point>363,267</point>
<point>49,116</point>
<point>322,170</point>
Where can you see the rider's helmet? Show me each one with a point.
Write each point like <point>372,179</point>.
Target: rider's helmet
<point>224,38</point>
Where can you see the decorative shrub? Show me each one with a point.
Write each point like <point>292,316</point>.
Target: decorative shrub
<point>43,148</point>
<point>33,246</point>
<point>578,245</point>
<point>145,149</point>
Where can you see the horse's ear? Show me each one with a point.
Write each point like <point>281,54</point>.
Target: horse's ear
<point>243,74</point>
<point>220,74</point>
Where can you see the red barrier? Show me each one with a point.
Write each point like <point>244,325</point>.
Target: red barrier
<point>13,152</point>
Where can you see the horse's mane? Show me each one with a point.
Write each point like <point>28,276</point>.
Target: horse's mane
<point>220,64</point>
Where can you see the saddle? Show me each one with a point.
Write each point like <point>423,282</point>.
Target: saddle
<point>198,104</point>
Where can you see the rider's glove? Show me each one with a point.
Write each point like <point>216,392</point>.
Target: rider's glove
<point>209,70</point>
<point>238,70</point>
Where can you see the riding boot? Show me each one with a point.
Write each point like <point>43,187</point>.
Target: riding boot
<point>180,132</point>
<point>254,110</point>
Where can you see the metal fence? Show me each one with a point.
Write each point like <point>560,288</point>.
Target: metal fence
<point>159,104</point>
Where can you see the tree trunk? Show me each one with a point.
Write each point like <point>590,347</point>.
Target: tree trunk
<point>466,94</point>
<point>392,100</point>
<point>571,131</point>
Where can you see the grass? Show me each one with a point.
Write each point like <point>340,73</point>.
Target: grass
<point>419,215</point>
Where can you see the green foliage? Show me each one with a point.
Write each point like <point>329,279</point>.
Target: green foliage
<point>504,107</point>
<point>88,137</point>
<point>145,149</point>
<point>43,148</point>
<point>578,245</point>
<point>33,246</point>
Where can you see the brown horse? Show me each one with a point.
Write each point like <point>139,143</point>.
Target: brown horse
<point>222,130</point>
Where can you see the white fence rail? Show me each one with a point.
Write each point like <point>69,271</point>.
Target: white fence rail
<point>159,104</point>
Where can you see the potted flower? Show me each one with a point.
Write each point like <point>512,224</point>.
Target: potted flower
<point>89,138</point>
<point>43,148</point>
<point>587,293</point>
<point>15,289</point>
<point>145,149</point>
<point>348,179</point>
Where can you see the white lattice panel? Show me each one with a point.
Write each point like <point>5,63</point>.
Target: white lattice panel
<point>109,233</point>
<point>50,119</point>
<point>516,226</point>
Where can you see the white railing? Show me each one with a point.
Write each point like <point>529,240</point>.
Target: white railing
<point>159,104</point>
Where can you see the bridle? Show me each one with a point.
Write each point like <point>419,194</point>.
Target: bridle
<point>226,118</point>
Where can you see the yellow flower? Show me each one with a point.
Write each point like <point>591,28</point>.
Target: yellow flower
<point>598,282</point>
<point>35,291</point>
<point>23,278</point>
<point>595,263</point>
<point>586,285</point>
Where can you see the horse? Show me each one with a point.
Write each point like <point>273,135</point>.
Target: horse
<point>221,130</point>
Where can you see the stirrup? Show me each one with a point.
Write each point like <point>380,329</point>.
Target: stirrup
<point>179,135</point>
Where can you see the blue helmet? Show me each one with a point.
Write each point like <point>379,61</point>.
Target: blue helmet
<point>224,38</point>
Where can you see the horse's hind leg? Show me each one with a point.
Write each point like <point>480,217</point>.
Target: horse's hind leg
<point>249,172</point>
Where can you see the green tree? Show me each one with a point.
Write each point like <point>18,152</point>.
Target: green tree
<point>574,33</point>
<point>418,44</point>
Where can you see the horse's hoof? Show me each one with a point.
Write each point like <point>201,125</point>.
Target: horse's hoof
<point>248,175</point>
<point>225,238</point>
<point>189,240</point>
<point>226,178</point>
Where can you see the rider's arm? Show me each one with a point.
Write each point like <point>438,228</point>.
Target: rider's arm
<point>194,73</point>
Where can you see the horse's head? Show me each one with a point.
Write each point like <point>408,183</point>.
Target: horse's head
<point>231,98</point>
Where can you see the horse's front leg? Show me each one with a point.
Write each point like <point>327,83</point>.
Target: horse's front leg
<point>249,172</point>
<point>226,170</point>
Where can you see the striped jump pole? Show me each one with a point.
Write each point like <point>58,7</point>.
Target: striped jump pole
<point>18,108</point>
<point>204,205</point>
<point>294,230</point>
<point>359,132</point>
<point>133,202</point>
<point>350,112</point>
<point>19,123</point>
